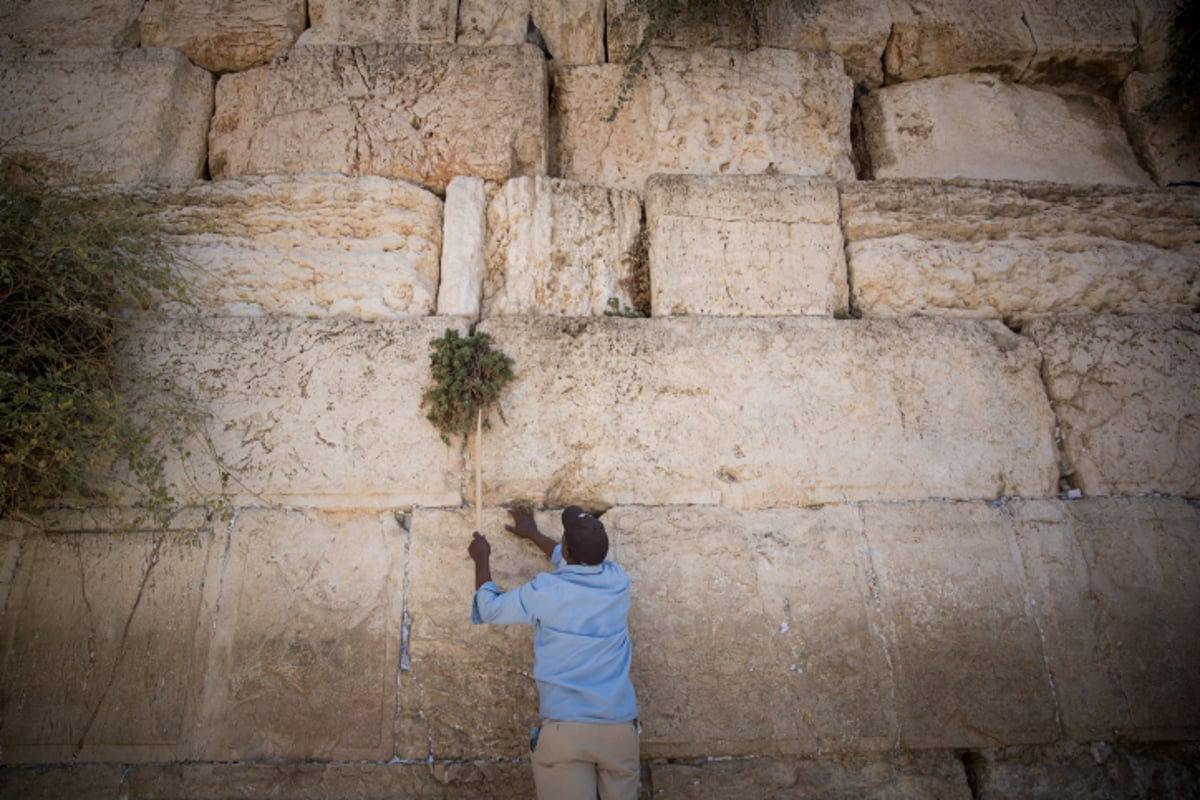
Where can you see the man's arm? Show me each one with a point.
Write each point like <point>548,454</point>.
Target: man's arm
<point>525,527</point>
<point>480,552</point>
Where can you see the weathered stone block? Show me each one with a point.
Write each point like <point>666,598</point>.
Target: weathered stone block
<point>745,246</point>
<point>857,30</point>
<point>222,36</point>
<point>574,31</point>
<point>1091,45</point>
<point>370,21</point>
<point>910,776</point>
<point>931,38</point>
<point>305,641</point>
<point>308,246</point>
<point>796,665</point>
<point>106,115</point>
<point>705,111</point>
<point>1126,392</point>
<point>69,23</point>
<point>12,533</point>
<point>1113,583</point>
<point>772,412</point>
<point>965,652</point>
<point>1015,250</point>
<point>979,126</point>
<point>560,248</point>
<point>54,783</point>
<point>464,238</point>
<point>1154,21</point>
<point>1166,142</point>
<point>303,412</point>
<point>105,639</point>
<point>421,113</point>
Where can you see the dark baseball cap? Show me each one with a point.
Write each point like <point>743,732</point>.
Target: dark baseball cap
<point>584,535</point>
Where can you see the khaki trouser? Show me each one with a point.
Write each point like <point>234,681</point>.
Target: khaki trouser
<point>586,760</point>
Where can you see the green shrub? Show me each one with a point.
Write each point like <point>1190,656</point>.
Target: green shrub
<point>468,376</point>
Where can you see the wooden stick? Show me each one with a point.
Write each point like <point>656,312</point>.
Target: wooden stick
<point>479,471</point>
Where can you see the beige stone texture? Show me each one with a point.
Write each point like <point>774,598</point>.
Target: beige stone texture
<point>306,640</point>
<point>560,248</point>
<point>324,413</point>
<point>464,239</point>
<point>754,245</point>
<point>221,36</point>
<point>857,30</point>
<point>55,783</point>
<point>361,22</point>
<point>709,111</point>
<point>979,126</point>
<point>1126,393</point>
<point>910,776</point>
<point>69,23</point>
<point>1090,43</point>
<point>795,665</point>
<point>965,652</point>
<point>420,113</point>
<point>104,640</point>
<point>1113,584</point>
<point>315,245</point>
<point>574,31</point>
<point>1166,142</point>
<point>1009,250</point>
<point>99,115</point>
<point>931,38</point>
<point>768,412</point>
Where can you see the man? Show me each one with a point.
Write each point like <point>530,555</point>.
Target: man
<point>587,745</point>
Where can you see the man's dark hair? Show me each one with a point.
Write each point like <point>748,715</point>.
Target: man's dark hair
<point>584,536</point>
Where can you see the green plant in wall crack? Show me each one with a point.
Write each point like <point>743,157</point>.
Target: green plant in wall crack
<point>468,376</point>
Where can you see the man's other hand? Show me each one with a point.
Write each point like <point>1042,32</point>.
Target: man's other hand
<point>479,549</point>
<point>523,524</point>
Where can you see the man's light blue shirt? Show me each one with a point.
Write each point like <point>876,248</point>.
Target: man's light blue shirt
<point>581,644</point>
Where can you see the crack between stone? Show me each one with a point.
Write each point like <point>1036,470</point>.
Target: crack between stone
<point>875,602</point>
<point>404,664</point>
<point>1036,49</point>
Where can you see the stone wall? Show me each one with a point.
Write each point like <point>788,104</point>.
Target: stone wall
<point>872,333</point>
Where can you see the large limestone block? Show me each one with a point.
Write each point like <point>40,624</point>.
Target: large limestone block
<point>1015,250</point>
<point>708,111</point>
<point>306,639</point>
<point>1114,586</point>
<point>107,115</point>
<point>1155,22</point>
<point>69,23</point>
<point>370,21</point>
<point>420,113</point>
<point>857,30</point>
<point>574,31</point>
<point>768,412</point>
<point>979,126</point>
<point>305,412</point>
<point>943,37</point>
<point>1093,43</point>
<point>965,652</point>
<point>79,782</point>
<point>222,36</point>
<point>1126,392</point>
<point>561,248</point>
<point>464,240</point>
<point>745,246</point>
<point>104,638</point>
<point>1166,141</point>
<point>795,664</point>
<point>466,691</point>
<point>317,245</point>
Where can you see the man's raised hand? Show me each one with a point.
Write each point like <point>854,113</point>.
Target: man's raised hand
<point>523,523</point>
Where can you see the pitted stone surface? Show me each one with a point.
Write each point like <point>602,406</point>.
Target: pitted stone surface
<point>421,113</point>
<point>368,21</point>
<point>306,639</point>
<point>768,412</point>
<point>1113,584</point>
<point>980,126</point>
<point>1126,392</point>
<point>965,652</point>
<point>943,37</point>
<point>708,111</point>
<point>1166,143</point>
<point>69,23</point>
<point>1093,45</point>
<point>745,246</point>
<point>307,412</point>
<point>105,640</point>
<point>99,115</point>
<point>559,248</point>
<point>574,30</point>
<point>221,36</point>
<point>317,245</point>
<point>1016,250</point>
